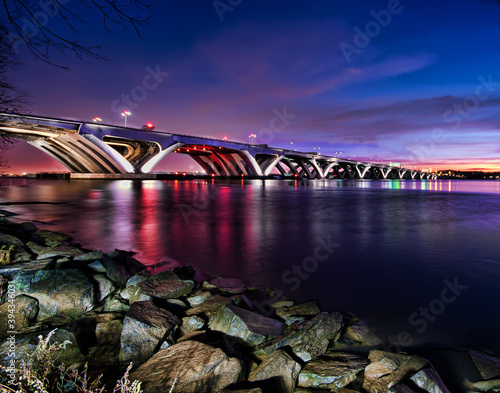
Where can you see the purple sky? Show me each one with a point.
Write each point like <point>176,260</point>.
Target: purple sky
<point>420,85</point>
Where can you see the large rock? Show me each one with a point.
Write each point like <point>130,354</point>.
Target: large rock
<point>361,334</point>
<point>191,324</point>
<point>332,370</point>
<point>144,328</point>
<point>279,370</point>
<point>7,240</point>
<point>429,381</point>
<point>492,385</point>
<point>198,298</point>
<point>488,366</point>
<point>24,310</point>
<point>56,290</point>
<point>26,344</point>
<point>196,367</point>
<point>307,340</point>
<point>108,333</point>
<point>115,271</point>
<point>386,369</point>
<point>53,239</point>
<point>291,314</point>
<point>210,306</point>
<point>104,287</point>
<point>61,251</point>
<point>166,285</point>
<point>251,327</point>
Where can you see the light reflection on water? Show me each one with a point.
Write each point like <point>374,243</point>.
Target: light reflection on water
<point>398,240</point>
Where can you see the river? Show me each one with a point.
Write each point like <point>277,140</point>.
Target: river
<point>420,258</point>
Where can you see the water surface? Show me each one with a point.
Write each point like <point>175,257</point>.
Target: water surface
<point>385,250</point>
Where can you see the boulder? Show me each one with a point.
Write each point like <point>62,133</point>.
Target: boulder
<point>35,248</point>
<point>56,290</point>
<point>289,314</point>
<point>144,329</point>
<point>191,324</point>
<point>61,251</point>
<point>361,334</point>
<point>26,344</point>
<point>429,381</point>
<point>27,226</point>
<point>488,366</point>
<point>108,333</point>
<point>133,293</point>
<point>332,370</point>
<point>279,370</point>
<point>53,239</point>
<point>386,369</point>
<point>166,285</point>
<point>307,340</point>
<point>104,287</point>
<point>116,304</point>
<point>7,240</point>
<point>24,310</point>
<point>209,306</point>
<point>89,256</point>
<point>196,367</point>
<point>492,385</point>
<point>97,267</point>
<point>115,271</point>
<point>251,327</point>
<point>198,298</point>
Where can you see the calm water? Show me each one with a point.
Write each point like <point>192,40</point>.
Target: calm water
<point>380,249</point>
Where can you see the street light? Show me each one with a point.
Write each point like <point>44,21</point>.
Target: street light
<point>125,114</point>
<point>252,136</point>
<point>225,138</point>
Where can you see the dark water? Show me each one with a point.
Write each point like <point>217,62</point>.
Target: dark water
<point>384,250</point>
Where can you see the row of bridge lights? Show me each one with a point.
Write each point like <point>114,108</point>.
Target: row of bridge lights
<point>125,114</point>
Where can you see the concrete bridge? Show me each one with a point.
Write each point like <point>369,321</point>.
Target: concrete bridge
<point>97,148</point>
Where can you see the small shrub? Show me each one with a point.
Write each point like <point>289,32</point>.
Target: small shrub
<point>39,375</point>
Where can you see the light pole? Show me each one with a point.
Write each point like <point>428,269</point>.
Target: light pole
<point>125,114</point>
<point>252,136</point>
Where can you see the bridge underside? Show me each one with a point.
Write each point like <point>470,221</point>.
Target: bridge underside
<point>84,148</point>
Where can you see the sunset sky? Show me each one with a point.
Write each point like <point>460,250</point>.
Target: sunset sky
<point>416,82</point>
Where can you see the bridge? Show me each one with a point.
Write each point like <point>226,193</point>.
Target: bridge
<point>88,147</point>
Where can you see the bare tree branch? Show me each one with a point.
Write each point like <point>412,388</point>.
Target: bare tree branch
<point>32,24</point>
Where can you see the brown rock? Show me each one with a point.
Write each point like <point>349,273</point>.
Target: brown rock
<point>429,380</point>
<point>332,370</point>
<point>144,328</point>
<point>308,309</point>
<point>280,370</point>
<point>166,285</point>
<point>251,327</point>
<point>387,369</point>
<point>307,340</point>
<point>488,366</point>
<point>24,310</point>
<point>209,306</point>
<point>195,367</point>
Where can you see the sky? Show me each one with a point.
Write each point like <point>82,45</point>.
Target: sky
<point>410,81</point>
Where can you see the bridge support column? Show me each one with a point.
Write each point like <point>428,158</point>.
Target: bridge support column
<point>362,173</point>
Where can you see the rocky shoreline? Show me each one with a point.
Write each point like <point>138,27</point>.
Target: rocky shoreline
<point>192,336</point>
